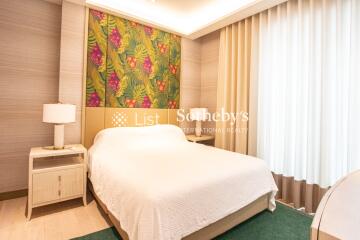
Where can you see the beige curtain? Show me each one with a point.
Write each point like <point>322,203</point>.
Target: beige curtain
<point>237,56</point>
<point>299,193</point>
<point>237,91</point>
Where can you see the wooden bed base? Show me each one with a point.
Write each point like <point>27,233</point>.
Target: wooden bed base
<point>209,232</point>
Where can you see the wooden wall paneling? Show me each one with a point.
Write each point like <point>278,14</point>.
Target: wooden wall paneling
<point>72,63</point>
<point>29,66</point>
<point>190,87</point>
<point>83,104</point>
<point>209,75</point>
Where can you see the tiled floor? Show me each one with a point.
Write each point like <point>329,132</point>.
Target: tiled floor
<point>58,221</point>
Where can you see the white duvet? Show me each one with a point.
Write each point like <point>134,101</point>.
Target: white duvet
<point>160,186</point>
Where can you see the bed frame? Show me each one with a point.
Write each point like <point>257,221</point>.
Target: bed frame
<point>206,233</point>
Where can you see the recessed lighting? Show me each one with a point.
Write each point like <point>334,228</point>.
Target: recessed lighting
<point>180,18</point>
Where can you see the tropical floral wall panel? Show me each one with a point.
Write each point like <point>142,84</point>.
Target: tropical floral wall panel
<point>96,59</point>
<point>142,64</point>
<point>174,75</point>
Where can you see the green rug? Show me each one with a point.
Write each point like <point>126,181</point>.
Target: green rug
<point>283,224</point>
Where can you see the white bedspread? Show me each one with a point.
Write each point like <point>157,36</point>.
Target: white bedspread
<point>159,186</point>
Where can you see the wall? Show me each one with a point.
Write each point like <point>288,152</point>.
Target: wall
<point>199,74</point>
<point>209,75</point>
<point>190,78</point>
<point>71,67</point>
<point>30,68</point>
<point>29,71</point>
<point>71,64</point>
<point>194,83</point>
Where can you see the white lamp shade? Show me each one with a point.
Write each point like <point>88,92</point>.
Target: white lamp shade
<point>198,114</point>
<point>59,113</point>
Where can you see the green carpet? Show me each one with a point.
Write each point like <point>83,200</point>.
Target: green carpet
<point>283,224</point>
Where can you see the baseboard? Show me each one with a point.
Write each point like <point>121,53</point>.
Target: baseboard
<point>13,194</point>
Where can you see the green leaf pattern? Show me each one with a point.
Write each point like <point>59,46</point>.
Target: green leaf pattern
<point>131,65</point>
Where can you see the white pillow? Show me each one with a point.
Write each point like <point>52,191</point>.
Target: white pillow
<point>130,136</point>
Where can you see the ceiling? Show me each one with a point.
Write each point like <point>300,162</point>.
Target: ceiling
<point>188,18</point>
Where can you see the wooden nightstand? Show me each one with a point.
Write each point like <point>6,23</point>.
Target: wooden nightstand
<point>56,175</point>
<point>202,138</point>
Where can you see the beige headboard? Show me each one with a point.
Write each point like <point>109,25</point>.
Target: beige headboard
<point>98,118</point>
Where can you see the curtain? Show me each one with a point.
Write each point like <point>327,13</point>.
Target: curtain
<point>235,60</point>
<point>293,69</point>
<point>308,104</point>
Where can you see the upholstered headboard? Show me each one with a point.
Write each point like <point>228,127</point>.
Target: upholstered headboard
<point>97,119</point>
<point>132,75</point>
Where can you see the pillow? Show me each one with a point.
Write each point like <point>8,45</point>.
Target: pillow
<point>129,136</point>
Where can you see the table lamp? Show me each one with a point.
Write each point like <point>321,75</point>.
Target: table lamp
<point>59,114</point>
<point>198,114</point>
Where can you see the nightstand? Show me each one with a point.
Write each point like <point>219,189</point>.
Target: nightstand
<point>56,175</point>
<point>202,138</point>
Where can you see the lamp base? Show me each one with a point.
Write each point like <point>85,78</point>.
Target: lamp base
<point>59,136</point>
<point>198,129</point>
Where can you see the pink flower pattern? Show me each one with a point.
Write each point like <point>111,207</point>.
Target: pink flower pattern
<point>114,82</point>
<point>99,15</point>
<point>147,65</point>
<point>146,102</point>
<point>172,104</point>
<point>96,55</point>
<point>115,38</point>
<point>94,100</point>
<point>148,30</point>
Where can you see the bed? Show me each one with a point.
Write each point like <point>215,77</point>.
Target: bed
<point>156,185</point>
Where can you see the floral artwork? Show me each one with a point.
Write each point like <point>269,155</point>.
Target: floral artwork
<point>131,65</point>
<point>174,72</point>
<point>96,61</point>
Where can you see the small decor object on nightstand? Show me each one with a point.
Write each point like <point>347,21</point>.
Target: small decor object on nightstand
<point>195,139</point>
<point>59,114</point>
<point>198,114</point>
<point>56,175</point>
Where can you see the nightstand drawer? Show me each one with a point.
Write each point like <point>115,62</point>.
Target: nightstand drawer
<point>72,182</point>
<point>45,187</point>
<point>56,185</point>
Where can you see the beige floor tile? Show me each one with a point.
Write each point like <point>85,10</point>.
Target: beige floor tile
<point>54,222</point>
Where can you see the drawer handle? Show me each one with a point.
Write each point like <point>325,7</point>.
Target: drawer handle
<point>59,192</point>
<point>60,178</point>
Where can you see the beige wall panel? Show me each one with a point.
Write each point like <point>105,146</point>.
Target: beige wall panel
<point>94,122</point>
<point>29,65</point>
<point>190,88</point>
<point>190,73</point>
<point>71,64</point>
<point>209,75</point>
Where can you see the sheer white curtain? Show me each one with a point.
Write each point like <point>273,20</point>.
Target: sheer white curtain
<point>308,116</point>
